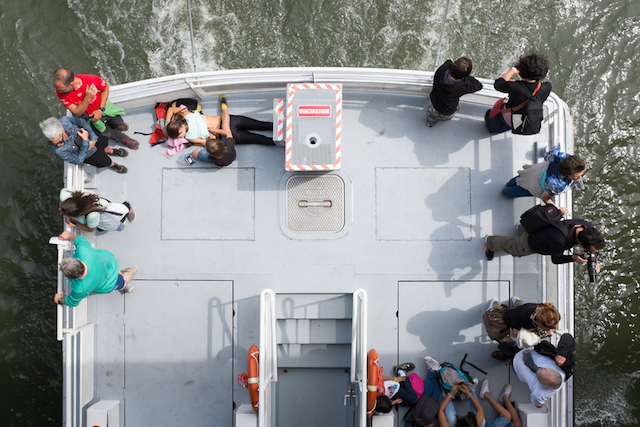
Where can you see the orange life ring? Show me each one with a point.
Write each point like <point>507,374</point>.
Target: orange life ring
<point>373,369</point>
<point>252,382</point>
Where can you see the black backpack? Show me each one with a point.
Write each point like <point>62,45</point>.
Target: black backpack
<point>527,117</point>
<point>542,216</point>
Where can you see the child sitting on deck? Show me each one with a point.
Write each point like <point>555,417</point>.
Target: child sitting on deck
<point>396,390</point>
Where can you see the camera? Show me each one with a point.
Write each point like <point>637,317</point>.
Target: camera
<point>592,260</point>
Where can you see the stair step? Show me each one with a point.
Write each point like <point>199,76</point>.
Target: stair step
<point>314,306</point>
<point>314,331</point>
<point>314,355</point>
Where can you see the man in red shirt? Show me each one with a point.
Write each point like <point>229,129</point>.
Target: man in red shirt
<point>86,96</point>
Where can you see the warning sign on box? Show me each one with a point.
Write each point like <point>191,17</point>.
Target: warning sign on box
<point>314,111</point>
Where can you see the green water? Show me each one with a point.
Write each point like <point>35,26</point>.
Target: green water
<point>592,46</point>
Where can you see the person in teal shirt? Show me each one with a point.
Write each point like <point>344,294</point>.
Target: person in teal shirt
<point>91,270</point>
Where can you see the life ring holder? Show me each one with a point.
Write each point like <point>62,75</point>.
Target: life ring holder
<point>253,358</point>
<point>373,370</point>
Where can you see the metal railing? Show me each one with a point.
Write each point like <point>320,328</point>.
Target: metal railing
<point>268,363</point>
<point>76,353</point>
<point>359,353</point>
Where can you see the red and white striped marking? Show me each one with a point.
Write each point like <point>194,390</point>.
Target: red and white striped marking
<point>291,90</point>
<point>280,114</point>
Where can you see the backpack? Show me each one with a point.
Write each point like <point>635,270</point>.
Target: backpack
<point>493,323</point>
<point>417,384</point>
<point>528,118</point>
<point>422,412</point>
<point>542,216</point>
<point>450,376</point>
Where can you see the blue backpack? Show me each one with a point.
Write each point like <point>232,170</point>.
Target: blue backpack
<point>450,376</point>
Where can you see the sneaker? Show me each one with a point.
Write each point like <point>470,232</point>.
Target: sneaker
<point>487,252</point>
<point>223,99</point>
<point>119,168</point>
<point>406,366</point>
<point>131,143</point>
<point>131,216</point>
<point>134,268</point>
<point>493,304</point>
<point>485,388</point>
<point>120,152</point>
<point>516,301</point>
<point>123,128</point>
<point>474,385</point>
<point>432,363</point>
<point>506,391</point>
<point>128,287</point>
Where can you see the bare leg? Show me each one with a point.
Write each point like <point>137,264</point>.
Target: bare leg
<point>498,407</point>
<point>226,120</point>
<point>515,418</point>
<point>128,274</point>
<point>108,150</point>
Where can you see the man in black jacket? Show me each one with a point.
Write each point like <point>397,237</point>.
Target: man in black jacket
<point>450,82</point>
<point>549,241</point>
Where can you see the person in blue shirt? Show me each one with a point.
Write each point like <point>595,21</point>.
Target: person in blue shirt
<point>72,140</point>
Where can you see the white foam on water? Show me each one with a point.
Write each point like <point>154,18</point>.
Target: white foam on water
<point>606,401</point>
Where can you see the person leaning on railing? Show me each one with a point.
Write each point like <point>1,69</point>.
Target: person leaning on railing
<point>558,173</point>
<point>91,271</point>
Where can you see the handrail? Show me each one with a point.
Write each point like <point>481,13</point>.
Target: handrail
<point>65,332</point>
<point>268,362</point>
<point>358,372</point>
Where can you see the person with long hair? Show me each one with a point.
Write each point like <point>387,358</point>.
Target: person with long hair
<point>540,319</point>
<point>220,148</point>
<point>91,212</point>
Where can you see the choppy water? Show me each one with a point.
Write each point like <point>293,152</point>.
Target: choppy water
<point>593,48</point>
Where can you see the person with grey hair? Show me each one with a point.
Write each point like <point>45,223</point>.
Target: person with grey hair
<point>73,140</point>
<point>542,374</point>
<point>91,271</point>
<point>87,97</point>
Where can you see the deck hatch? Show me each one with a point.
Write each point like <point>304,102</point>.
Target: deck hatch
<point>315,204</point>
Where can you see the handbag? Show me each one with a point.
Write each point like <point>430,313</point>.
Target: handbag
<point>493,323</point>
<point>526,338</point>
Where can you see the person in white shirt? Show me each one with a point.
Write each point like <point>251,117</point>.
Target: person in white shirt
<point>543,376</point>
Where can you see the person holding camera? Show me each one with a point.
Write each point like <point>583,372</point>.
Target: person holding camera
<point>552,241</point>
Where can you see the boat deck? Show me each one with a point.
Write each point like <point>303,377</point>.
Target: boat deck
<point>208,240</point>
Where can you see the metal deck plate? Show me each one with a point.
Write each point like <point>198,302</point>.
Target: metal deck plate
<point>208,204</point>
<point>190,372</point>
<point>315,204</point>
<point>423,204</point>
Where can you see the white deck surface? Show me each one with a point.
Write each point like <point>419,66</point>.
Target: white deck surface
<point>208,240</point>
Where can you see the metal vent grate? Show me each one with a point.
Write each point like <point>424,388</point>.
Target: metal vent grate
<point>315,204</point>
